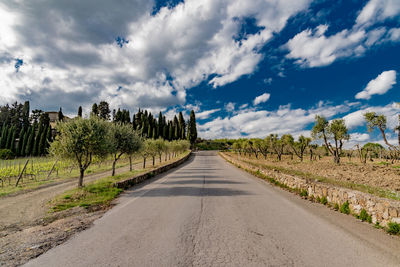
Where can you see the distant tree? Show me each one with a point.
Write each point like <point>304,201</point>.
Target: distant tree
<point>123,140</point>
<point>104,110</point>
<point>335,130</point>
<point>31,140</point>
<point>80,111</point>
<point>192,130</point>
<point>300,146</point>
<point>79,140</point>
<point>60,115</point>
<point>379,121</point>
<point>25,115</point>
<point>95,110</point>
<point>20,142</point>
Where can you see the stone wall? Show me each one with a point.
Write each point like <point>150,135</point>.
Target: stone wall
<point>382,210</point>
<point>142,177</point>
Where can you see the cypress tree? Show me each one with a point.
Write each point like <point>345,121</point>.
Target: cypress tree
<point>20,142</point>
<point>29,144</point>
<point>4,134</point>
<point>192,131</point>
<point>9,136</point>
<point>25,115</point>
<point>36,151</point>
<point>95,110</point>
<point>13,136</point>
<point>42,143</point>
<point>25,141</point>
<point>170,132</point>
<point>80,111</point>
<point>60,115</point>
<point>182,127</point>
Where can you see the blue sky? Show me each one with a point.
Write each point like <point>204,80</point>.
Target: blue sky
<point>248,68</point>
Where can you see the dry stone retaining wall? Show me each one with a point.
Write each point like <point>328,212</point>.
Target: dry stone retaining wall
<point>142,177</point>
<point>382,210</point>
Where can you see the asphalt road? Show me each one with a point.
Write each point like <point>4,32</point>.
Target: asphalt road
<point>209,213</point>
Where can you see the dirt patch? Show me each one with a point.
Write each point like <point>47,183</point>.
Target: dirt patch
<point>20,245</point>
<point>373,174</point>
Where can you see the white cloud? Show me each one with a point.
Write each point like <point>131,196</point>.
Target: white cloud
<point>229,107</point>
<point>261,99</point>
<point>314,48</point>
<point>206,114</point>
<point>75,57</point>
<point>356,118</point>
<point>260,123</point>
<point>378,86</point>
<point>377,11</point>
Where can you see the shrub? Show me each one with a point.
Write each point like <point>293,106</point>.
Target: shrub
<point>303,193</point>
<point>345,208</point>
<point>336,206</point>
<point>369,219</point>
<point>318,199</point>
<point>393,228</point>
<point>6,154</point>
<point>363,215</point>
<point>324,200</point>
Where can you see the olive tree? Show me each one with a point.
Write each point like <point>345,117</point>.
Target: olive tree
<point>160,146</point>
<point>379,121</point>
<point>79,140</point>
<point>336,131</point>
<point>300,146</point>
<point>122,140</point>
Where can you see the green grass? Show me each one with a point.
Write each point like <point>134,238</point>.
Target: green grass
<point>306,175</point>
<point>100,192</point>
<point>393,228</point>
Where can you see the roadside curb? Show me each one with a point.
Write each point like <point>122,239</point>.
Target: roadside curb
<point>142,177</point>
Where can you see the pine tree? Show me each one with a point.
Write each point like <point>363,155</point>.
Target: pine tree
<point>80,111</point>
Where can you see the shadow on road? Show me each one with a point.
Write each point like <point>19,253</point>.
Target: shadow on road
<point>192,192</point>
<point>201,181</point>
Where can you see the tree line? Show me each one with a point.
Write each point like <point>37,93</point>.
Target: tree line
<point>24,133</point>
<point>80,140</point>
<point>147,125</point>
<point>29,133</point>
<point>331,134</point>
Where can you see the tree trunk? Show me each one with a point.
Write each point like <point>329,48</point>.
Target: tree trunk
<point>113,167</point>
<point>144,163</point>
<point>130,163</point>
<point>160,158</point>
<point>82,173</point>
<point>154,160</point>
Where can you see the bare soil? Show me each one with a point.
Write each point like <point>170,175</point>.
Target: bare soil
<point>375,174</point>
<point>28,229</point>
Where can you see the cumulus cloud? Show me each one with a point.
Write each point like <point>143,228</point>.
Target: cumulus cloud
<point>260,123</point>
<point>166,53</point>
<point>356,118</point>
<point>206,114</point>
<point>261,99</point>
<point>378,86</point>
<point>314,48</point>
